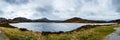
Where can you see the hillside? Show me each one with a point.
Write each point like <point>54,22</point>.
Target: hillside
<point>116,21</point>
<point>80,20</point>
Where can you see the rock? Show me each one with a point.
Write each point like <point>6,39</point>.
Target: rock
<point>23,29</point>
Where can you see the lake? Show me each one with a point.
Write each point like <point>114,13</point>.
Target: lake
<point>53,27</point>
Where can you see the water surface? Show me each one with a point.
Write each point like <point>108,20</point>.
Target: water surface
<point>53,27</point>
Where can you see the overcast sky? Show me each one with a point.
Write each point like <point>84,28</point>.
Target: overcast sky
<point>61,9</point>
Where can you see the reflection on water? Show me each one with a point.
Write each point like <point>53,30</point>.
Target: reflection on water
<point>53,27</point>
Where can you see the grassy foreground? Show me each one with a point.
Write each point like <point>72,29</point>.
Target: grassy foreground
<point>97,33</point>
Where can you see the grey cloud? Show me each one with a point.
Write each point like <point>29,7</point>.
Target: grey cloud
<point>61,9</point>
<point>46,10</point>
<point>17,1</point>
<point>116,4</point>
<point>118,10</point>
<point>1,12</point>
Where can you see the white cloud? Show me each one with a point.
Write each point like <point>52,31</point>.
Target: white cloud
<point>62,9</point>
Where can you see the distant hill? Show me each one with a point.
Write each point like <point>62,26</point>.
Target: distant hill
<point>80,20</point>
<point>71,20</point>
<point>22,19</point>
<point>46,20</point>
<point>3,20</point>
<point>115,21</point>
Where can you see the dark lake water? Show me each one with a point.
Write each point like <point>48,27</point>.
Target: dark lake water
<point>53,27</point>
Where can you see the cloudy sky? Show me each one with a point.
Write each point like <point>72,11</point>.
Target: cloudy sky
<point>61,9</point>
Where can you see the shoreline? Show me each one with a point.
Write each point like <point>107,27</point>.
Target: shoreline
<point>85,31</point>
<point>84,27</point>
<point>95,33</point>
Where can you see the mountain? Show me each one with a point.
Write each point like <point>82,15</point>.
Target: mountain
<point>80,20</point>
<point>115,21</point>
<point>72,20</point>
<point>46,20</point>
<point>20,19</point>
<point>3,20</point>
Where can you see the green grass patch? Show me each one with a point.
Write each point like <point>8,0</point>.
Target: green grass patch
<point>97,33</point>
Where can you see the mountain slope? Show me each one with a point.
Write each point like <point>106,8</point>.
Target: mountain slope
<point>80,20</point>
